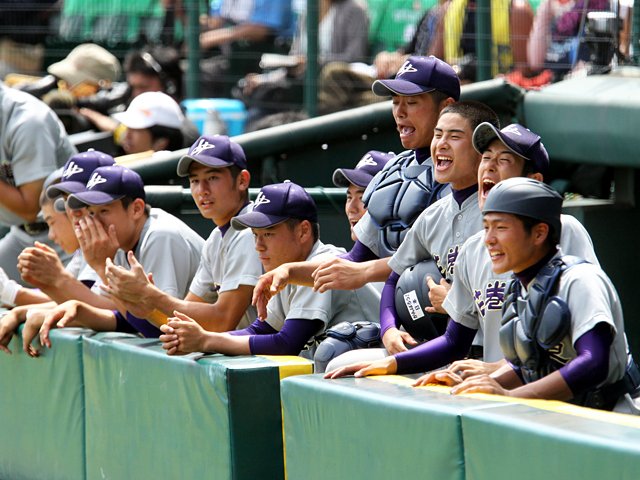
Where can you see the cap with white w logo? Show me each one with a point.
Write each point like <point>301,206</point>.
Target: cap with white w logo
<point>108,184</point>
<point>217,151</point>
<point>77,171</point>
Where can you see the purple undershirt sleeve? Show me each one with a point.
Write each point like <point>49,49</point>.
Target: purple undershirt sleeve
<point>289,341</point>
<point>122,325</point>
<point>359,253</point>
<point>453,345</point>
<point>146,328</point>
<point>256,328</point>
<point>591,367</point>
<point>388,315</point>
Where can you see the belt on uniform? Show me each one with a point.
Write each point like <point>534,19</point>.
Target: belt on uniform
<point>35,228</point>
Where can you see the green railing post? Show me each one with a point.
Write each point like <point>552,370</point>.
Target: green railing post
<point>635,33</point>
<point>311,72</point>
<point>483,39</point>
<point>193,47</point>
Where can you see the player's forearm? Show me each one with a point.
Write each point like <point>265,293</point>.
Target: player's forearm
<point>551,387</point>
<point>226,344</point>
<point>221,36</point>
<point>98,319</point>
<point>376,270</point>
<point>19,202</point>
<point>73,289</point>
<point>300,273</point>
<point>28,296</point>
<point>211,316</point>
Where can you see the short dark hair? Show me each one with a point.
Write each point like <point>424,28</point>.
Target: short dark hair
<point>160,62</point>
<point>126,201</point>
<point>315,227</point>
<point>173,135</point>
<point>235,171</point>
<point>553,238</point>
<point>475,113</point>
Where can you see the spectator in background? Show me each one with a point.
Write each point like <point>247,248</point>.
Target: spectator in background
<point>33,144</point>
<point>86,72</point>
<point>510,26</point>
<point>554,41</point>
<point>153,122</point>
<point>154,70</point>
<point>394,23</point>
<point>238,32</point>
<point>342,37</point>
<point>344,85</point>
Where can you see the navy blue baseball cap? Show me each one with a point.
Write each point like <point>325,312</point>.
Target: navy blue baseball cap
<point>420,75</point>
<point>77,171</point>
<point>365,170</point>
<point>216,151</point>
<point>277,203</point>
<point>106,185</point>
<point>518,139</point>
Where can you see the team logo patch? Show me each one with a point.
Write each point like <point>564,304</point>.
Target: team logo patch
<point>512,129</point>
<point>406,67</point>
<point>96,179</point>
<point>260,200</point>
<point>71,170</point>
<point>365,161</point>
<point>202,146</point>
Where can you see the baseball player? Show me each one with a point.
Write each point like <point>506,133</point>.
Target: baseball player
<point>284,223</point>
<point>441,229</point>
<point>118,221</point>
<point>356,180</point>
<point>420,90</point>
<point>33,143</point>
<point>562,328</point>
<point>219,297</point>
<point>475,299</point>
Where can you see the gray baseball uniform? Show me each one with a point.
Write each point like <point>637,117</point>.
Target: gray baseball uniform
<point>228,261</point>
<point>476,296</point>
<point>331,307</point>
<point>169,249</point>
<point>592,299</point>
<point>33,143</point>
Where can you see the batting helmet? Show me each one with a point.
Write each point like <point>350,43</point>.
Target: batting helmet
<point>412,297</point>
<point>526,197</point>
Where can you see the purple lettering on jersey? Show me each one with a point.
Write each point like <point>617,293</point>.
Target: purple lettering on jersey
<point>493,297</point>
<point>452,256</point>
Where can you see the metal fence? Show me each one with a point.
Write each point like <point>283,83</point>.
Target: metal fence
<point>531,41</point>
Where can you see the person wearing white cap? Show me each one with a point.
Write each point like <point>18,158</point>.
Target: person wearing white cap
<point>153,121</point>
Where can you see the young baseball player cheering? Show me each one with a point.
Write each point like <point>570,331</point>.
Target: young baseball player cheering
<point>219,297</point>
<point>475,299</point>
<point>284,224</point>
<point>562,327</point>
<point>421,89</point>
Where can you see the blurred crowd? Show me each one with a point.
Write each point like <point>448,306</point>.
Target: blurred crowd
<point>89,60</point>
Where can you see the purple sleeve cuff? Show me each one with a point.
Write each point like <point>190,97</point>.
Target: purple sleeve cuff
<point>142,326</point>
<point>359,253</point>
<point>388,315</point>
<point>121,323</point>
<point>290,340</point>
<point>453,345</point>
<point>591,367</point>
<point>256,328</point>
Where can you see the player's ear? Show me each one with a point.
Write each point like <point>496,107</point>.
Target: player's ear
<point>243,180</point>
<point>536,176</point>
<point>138,207</point>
